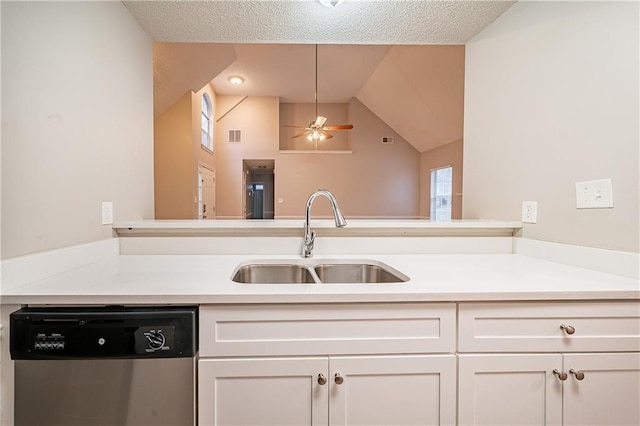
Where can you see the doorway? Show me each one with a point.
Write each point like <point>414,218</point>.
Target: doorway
<point>206,193</point>
<point>256,203</point>
<point>441,193</point>
<point>258,187</point>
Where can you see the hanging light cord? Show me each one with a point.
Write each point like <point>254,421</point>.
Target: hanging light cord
<point>316,94</point>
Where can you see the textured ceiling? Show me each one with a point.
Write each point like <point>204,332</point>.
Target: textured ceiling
<point>307,21</point>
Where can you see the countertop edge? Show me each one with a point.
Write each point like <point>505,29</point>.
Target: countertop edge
<point>291,227</point>
<point>577,296</point>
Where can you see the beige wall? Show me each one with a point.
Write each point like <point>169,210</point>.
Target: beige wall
<point>76,122</point>
<point>551,98</point>
<point>443,156</point>
<point>257,118</point>
<point>375,180</point>
<point>173,161</point>
<point>178,152</point>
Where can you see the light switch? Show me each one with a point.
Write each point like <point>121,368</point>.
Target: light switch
<point>107,213</point>
<point>594,194</point>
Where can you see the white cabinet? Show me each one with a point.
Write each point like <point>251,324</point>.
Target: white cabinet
<point>529,363</point>
<point>275,391</point>
<point>537,388</point>
<point>381,364</point>
<point>538,327</point>
<point>393,390</point>
<point>497,389</point>
<point>327,329</point>
<point>609,392</point>
<point>522,389</point>
<point>383,390</point>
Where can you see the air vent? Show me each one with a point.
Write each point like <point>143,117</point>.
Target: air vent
<point>235,136</point>
<point>387,139</point>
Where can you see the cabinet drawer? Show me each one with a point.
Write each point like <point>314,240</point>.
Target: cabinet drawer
<point>244,330</point>
<point>536,327</point>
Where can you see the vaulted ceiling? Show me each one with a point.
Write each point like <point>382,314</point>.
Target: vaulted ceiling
<point>416,86</point>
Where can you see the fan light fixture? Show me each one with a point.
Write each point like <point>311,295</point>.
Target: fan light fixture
<point>330,3</point>
<point>236,80</point>
<point>316,136</point>
<point>316,130</point>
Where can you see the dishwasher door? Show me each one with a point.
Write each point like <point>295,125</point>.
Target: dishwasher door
<point>104,366</point>
<point>105,392</point>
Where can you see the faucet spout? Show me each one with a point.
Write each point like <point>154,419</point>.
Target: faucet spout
<point>310,236</point>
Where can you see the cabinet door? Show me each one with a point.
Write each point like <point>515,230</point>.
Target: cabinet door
<point>274,391</point>
<point>609,392</point>
<point>509,390</point>
<point>392,390</point>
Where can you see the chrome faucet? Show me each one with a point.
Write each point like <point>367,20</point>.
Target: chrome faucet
<point>310,236</point>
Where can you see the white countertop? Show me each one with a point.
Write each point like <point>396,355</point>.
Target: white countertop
<point>206,279</point>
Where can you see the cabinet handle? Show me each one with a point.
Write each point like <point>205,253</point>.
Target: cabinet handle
<point>322,380</point>
<point>338,379</point>
<point>561,374</point>
<point>567,329</point>
<point>579,375</point>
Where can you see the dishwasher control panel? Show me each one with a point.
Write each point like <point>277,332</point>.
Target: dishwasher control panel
<point>104,332</point>
<point>43,341</point>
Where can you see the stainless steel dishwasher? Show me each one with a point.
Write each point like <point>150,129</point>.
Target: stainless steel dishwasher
<point>107,366</point>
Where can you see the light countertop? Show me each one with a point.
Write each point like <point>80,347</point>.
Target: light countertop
<point>206,279</point>
<point>323,227</point>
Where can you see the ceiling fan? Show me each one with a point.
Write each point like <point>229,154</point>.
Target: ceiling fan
<point>316,130</point>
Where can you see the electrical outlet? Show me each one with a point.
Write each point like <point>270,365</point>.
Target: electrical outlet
<point>107,213</point>
<point>594,194</point>
<point>529,211</point>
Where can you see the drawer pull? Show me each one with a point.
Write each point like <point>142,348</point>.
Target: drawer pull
<point>322,380</point>
<point>567,329</point>
<point>579,375</point>
<point>338,379</point>
<point>561,374</point>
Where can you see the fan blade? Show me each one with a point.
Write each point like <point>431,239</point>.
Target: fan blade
<point>298,135</point>
<point>294,126</point>
<point>327,135</point>
<point>338,127</point>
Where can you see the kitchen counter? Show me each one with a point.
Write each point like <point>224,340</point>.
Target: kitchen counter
<point>323,227</point>
<point>206,279</point>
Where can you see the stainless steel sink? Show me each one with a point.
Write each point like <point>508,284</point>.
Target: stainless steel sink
<point>269,273</point>
<point>357,273</point>
<point>306,271</point>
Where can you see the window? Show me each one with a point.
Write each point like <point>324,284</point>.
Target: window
<point>207,123</point>
<point>441,180</point>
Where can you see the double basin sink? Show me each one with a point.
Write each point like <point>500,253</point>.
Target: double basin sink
<point>308,271</point>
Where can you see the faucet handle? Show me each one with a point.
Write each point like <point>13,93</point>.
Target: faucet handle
<point>307,247</point>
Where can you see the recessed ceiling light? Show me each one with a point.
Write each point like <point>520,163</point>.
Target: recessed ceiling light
<point>331,3</point>
<point>235,80</point>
